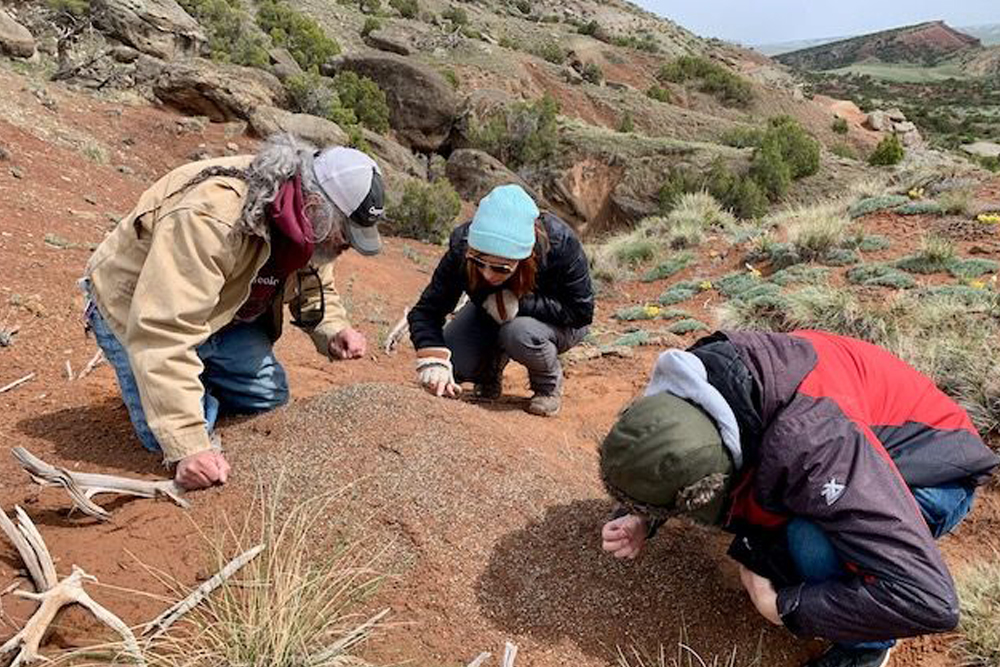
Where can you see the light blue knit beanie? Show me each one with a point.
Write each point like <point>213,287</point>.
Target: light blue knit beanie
<point>504,223</point>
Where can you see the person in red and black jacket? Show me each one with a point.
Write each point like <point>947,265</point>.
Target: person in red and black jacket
<point>834,463</point>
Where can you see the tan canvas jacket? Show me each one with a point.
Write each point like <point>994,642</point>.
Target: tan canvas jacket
<point>171,274</point>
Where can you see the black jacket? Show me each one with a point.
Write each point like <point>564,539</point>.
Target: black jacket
<point>563,296</point>
<point>837,431</point>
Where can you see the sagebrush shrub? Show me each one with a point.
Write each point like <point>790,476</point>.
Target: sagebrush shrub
<point>408,9</point>
<point>364,97</point>
<point>300,34</point>
<point>525,133</point>
<point>426,211</point>
<point>233,37</point>
<point>889,152</point>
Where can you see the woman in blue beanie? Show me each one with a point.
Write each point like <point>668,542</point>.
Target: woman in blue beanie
<point>530,299</point>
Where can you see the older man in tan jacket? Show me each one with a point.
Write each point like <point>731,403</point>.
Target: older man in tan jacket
<point>186,294</point>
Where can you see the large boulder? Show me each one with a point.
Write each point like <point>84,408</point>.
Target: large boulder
<point>15,40</point>
<point>878,121</point>
<point>422,104</point>
<point>390,40</point>
<point>268,120</point>
<point>159,28</point>
<point>221,92</point>
<point>474,173</point>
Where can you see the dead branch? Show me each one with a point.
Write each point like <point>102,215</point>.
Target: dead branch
<point>351,638</point>
<point>17,383</point>
<point>52,595</point>
<point>509,653</point>
<point>69,371</point>
<point>402,327</point>
<point>96,361</point>
<point>83,486</point>
<point>159,624</point>
<point>480,659</point>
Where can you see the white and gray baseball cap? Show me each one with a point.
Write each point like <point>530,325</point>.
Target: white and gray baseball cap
<point>353,182</point>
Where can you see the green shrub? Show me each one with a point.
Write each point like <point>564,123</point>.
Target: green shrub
<point>679,181</point>
<point>591,28</point>
<point>799,150</point>
<point>678,293</point>
<point>644,42</point>
<point>551,51</point>
<point>713,78</point>
<point>801,274</point>
<point>637,252</point>
<point>743,197</point>
<point>592,73</point>
<point>881,275</point>
<point>687,326</point>
<point>845,151</point>
<point>873,243</point>
<point>840,257</point>
<point>935,256</point>
<point>74,7</point>
<point>770,171</point>
<point>457,15</point>
<point>919,208</point>
<point>973,267</point>
<point>408,9</point>
<point>956,202</point>
<point>637,313</point>
<point>659,94</point>
<point>301,35</point>
<point>316,95</point>
<point>670,267</point>
<point>451,76</point>
<point>523,134</point>
<point>232,35</point>
<point>734,284</point>
<point>743,137</point>
<point>371,25</point>
<point>870,205</point>
<point>425,212</point>
<point>627,124</point>
<point>889,152</point>
<point>839,125</point>
<point>363,96</point>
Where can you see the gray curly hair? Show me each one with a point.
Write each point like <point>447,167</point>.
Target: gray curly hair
<point>278,160</point>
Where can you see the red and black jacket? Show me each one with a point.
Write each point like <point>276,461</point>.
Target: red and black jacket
<point>814,407</point>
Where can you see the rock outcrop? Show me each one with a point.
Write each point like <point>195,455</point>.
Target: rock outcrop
<point>159,28</point>
<point>15,39</point>
<point>422,104</point>
<point>221,92</point>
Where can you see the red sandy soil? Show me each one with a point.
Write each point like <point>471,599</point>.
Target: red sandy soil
<point>82,424</point>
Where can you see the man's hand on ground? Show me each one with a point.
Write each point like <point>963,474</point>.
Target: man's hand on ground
<point>348,344</point>
<point>624,536</point>
<point>202,470</point>
<point>762,594</point>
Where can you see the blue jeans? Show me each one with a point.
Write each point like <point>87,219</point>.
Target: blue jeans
<point>241,375</point>
<point>943,507</point>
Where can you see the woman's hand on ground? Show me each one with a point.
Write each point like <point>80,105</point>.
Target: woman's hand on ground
<point>202,470</point>
<point>762,594</point>
<point>625,536</point>
<point>435,372</point>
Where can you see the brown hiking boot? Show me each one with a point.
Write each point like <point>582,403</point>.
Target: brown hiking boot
<point>545,405</point>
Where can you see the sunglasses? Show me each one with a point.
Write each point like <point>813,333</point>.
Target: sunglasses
<point>505,269</point>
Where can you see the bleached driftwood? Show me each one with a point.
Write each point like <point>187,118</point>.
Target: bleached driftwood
<point>94,362</point>
<point>52,594</point>
<point>509,653</point>
<point>402,328</point>
<point>83,486</point>
<point>350,639</point>
<point>159,624</point>
<point>16,383</point>
<point>480,659</point>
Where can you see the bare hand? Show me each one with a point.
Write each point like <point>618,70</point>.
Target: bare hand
<point>348,344</point>
<point>762,594</point>
<point>202,470</point>
<point>624,536</point>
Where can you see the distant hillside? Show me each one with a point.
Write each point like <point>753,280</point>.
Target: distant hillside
<point>925,44</point>
<point>779,48</point>
<point>989,35</point>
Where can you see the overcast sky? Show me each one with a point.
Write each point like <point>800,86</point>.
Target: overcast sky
<point>772,21</point>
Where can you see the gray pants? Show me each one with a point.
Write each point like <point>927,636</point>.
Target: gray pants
<point>480,348</point>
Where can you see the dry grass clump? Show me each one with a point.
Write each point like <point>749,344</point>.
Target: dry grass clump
<point>817,230</point>
<point>686,656</point>
<point>979,592</point>
<point>295,604</point>
<point>935,255</point>
<point>949,335</point>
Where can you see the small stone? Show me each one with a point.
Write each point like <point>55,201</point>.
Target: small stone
<point>125,169</point>
<point>90,200</point>
<point>200,154</point>
<point>16,172</point>
<point>4,154</point>
<point>232,146</point>
<point>128,141</point>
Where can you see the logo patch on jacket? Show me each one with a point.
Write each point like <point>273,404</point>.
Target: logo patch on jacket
<point>832,490</point>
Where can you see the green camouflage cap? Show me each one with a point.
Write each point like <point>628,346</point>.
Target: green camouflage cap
<point>665,457</point>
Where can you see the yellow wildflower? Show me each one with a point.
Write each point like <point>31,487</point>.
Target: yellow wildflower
<point>652,311</point>
<point>705,285</point>
<point>977,284</point>
<point>989,218</point>
<point>754,271</point>
<point>916,193</point>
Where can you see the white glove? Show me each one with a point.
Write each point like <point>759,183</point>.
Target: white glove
<point>502,306</point>
<point>435,372</point>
